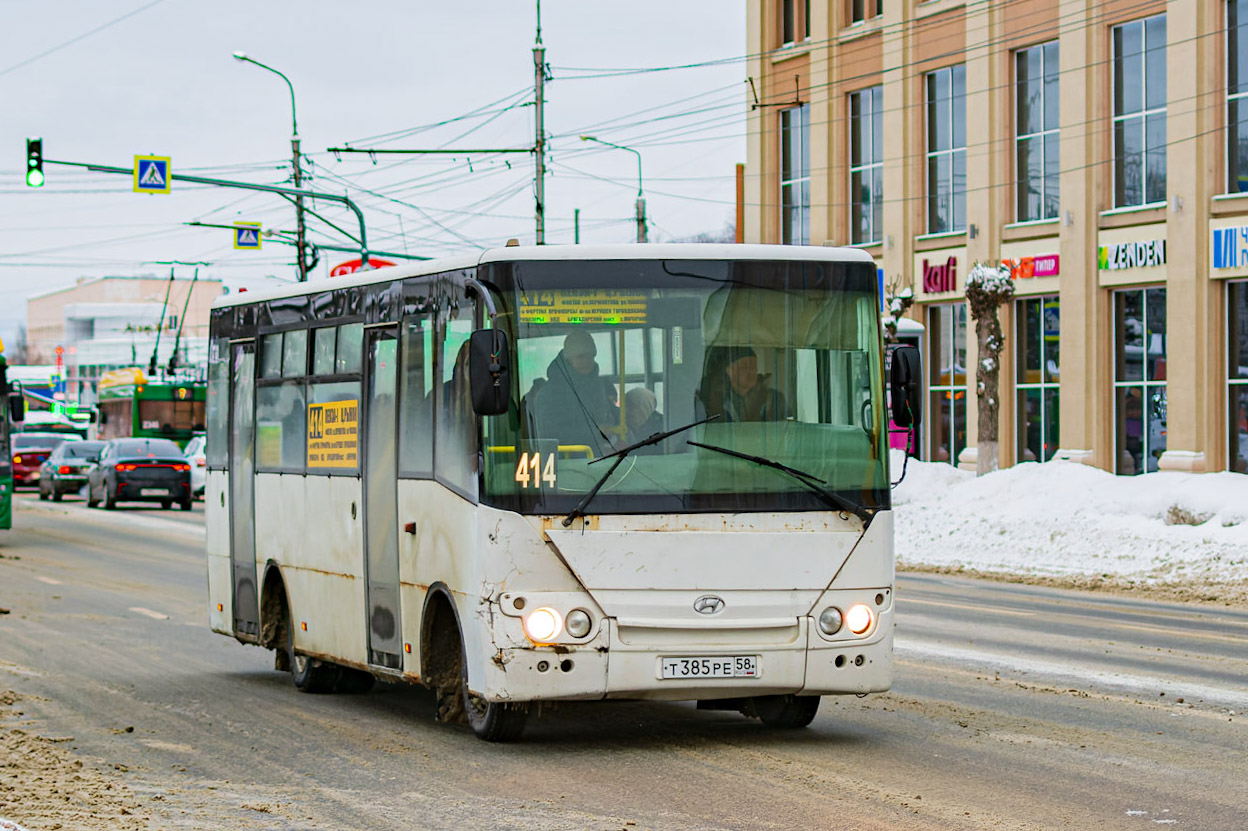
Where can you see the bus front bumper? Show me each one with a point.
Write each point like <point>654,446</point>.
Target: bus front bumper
<point>633,668</point>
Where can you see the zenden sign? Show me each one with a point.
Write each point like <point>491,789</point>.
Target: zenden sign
<point>1132,255</point>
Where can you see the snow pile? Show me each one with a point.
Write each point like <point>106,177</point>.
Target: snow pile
<point>1062,519</point>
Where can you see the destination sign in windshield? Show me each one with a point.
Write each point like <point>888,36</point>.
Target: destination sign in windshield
<point>578,306</point>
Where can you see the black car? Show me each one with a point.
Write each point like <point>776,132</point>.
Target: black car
<point>140,470</point>
<point>65,471</point>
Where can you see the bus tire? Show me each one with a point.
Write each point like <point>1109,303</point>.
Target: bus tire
<point>783,712</point>
<point>492,721</point>
<point>309,674</point>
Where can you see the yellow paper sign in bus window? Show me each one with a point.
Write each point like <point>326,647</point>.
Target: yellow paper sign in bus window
<point>610,306</point>
<point>333,434</point>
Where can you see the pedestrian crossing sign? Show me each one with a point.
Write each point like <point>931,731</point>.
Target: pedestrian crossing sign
<point>247,235</point>
<point>151,174</point>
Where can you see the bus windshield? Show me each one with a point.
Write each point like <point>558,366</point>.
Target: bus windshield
<point>779,360</point>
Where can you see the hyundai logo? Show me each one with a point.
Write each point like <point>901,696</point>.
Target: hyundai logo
<point>708,604</point>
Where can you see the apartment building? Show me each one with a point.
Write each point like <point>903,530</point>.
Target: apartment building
<point>1099,149</point>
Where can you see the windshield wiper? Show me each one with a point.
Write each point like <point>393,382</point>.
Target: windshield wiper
<point>619,455</point>
<point>815,484</point>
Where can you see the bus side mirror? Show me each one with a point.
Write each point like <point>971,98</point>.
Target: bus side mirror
<point>17,408</point>
<point>489,371</point>
<point>905,382</point>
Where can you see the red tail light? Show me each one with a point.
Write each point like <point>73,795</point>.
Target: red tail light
<point>64,469</point>
<point>183,468</point>
<point>125,467</point>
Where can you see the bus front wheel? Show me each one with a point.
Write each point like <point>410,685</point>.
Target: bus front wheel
<point>783,712</point>
<point>492,721</point>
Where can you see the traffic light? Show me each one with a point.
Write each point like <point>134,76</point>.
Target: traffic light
<point>34,162</point>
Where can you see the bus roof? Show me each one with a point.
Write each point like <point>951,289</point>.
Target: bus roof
<point>625,251</point>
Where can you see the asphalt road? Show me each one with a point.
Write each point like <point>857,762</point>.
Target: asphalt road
<point>1014,707</point>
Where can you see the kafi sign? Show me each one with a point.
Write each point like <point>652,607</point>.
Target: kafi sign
<point>940,278</point>
<point>1043,265</point>
<point>352,266</point>
<point>1122,255</point>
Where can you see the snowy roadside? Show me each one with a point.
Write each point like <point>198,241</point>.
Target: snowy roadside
<point>1176,534</point>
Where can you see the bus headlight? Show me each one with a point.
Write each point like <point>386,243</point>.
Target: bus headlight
<point>830,621</point>
<point>859,618</point>
<point>543,625</point>
<point>578,623</point>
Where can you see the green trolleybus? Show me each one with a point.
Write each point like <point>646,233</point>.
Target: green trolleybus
<point>132,405</point>
<point>10,411</point>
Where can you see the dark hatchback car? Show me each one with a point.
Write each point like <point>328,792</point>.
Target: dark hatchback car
<point>30,450</point>
<point>140,470</point>
<point>65,471</point>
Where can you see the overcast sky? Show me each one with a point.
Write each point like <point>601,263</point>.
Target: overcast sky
<point>126,77</point>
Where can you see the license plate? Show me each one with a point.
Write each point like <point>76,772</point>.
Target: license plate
<point>719,666</point>
<point>154,492</point>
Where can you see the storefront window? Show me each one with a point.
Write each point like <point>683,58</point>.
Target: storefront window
<point>1237,375</point>
<point>1237,96</point>
<point>947,388</point>
<point>1140,112</point>
<point>1037,363</point>
<point>1139,379</point>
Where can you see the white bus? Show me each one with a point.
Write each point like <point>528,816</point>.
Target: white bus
<point>557,473</point>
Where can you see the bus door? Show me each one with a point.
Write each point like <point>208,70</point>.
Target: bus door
<point>381,511</point>
<point>242,481</point>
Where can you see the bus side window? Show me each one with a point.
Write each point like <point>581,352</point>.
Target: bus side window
<point>416,391</point>
<point>456,460</point>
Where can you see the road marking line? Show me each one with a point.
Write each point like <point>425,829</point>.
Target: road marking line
<point>49,581</point>
<point>966,606</point>
<point>149,613</point>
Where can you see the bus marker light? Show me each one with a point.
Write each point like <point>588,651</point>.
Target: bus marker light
<point>220,608</point>
<point>407,647</point>
<point>543,625</point>
<point>830,621</point>
<point>859,618</point>
<point>578,623</point>
<point>304,624</point>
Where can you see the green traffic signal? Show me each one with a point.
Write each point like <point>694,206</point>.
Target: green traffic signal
<point>34,162</point>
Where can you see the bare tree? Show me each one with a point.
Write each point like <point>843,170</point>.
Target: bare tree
<point>17,349</point>
<point>987,287</point>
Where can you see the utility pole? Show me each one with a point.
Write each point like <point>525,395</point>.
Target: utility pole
<point>539,141</point>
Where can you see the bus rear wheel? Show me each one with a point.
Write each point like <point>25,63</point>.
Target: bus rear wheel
<point>309,674</point>
<point>492,721</point>
<point>783,712</point>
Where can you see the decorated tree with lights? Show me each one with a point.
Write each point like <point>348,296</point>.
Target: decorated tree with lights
<point>987,288</point>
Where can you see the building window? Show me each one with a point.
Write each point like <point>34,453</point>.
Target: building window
<point>1237,96</point>
<point>1237,375</point>
<point>946,150</point>
<point>860,10</point>
<point>1139,379</point>
<point>1140,112</point>
<point>866,164</point>
<point>794,21</point>
<point>1036,122</point>
<point>946,326</point>
<point>795,175</point>
<point>1037,363</point>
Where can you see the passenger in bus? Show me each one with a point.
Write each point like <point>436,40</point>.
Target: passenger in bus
<point>738,391</point>
<point>642,416</point>
<point>573,406</point>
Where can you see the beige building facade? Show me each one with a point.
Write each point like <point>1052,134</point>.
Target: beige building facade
<point>1098,148</point>
<point>106,323</point>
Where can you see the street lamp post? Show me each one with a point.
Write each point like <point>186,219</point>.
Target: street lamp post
<point>641,197</point>
<point>300,228</point>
